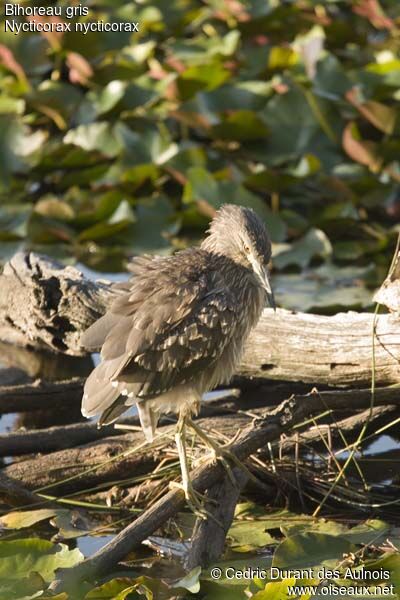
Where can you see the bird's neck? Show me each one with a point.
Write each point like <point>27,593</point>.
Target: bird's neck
<point>235,274</point>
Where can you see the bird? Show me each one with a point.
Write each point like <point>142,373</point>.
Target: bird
<point>177,328</point>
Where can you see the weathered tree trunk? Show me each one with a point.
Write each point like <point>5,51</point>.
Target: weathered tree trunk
<point>43,305</point>
<point>258,434</point>
<point>47,306</point>
<point>101,461</point>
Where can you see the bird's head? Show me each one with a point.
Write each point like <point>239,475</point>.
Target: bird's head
<point>238,233</point>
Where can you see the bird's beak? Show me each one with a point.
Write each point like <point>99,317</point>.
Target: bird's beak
<point>263,275</point>
<point>267,286</point>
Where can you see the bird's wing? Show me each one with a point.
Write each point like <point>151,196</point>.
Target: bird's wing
<point>94,337</point>
<point>178,353</point>
<point>173,323</point>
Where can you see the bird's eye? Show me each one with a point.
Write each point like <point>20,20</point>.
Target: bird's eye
<point>247,249</point>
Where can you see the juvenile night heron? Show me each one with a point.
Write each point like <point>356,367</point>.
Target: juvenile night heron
<point>179,327</point>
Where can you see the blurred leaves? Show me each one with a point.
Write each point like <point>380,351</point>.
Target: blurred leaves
<point>115,143</point>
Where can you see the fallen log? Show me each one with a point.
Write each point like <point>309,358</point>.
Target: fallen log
<point>46,306</point>
<point>12,493</point>
<point>40,395</point>
<point>43,305</point>
<point>259,433</point>
<point>84,467</point>
<point>107,460</point>
<point>76,469</point>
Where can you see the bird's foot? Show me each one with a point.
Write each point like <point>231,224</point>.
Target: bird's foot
<point>218,452</point>
<point>194,499</point>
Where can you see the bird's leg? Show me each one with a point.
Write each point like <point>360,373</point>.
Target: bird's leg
<point>223,454</point>
<point>193,498</point>
<point>219,452</point>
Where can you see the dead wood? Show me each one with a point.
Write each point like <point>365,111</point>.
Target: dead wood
<point>56,438</point>
<point>326,432</point>
<point>50,469</point>
<point>13,493</point>
<point>40,395</point>
<point>43,305</point>
<point>208,537</point>
<point>99,462</point>
<point>85,466</point>
<point>258,434</point>
<point>254,436</point>
<point>56,395</point>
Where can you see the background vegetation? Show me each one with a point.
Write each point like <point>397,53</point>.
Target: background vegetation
<point>118,143</point>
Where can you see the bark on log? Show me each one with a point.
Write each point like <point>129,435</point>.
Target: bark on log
<point>45,306</point>
<point>99,462</point>
<point>256,435</point>
<point>12,493</point>
<point>208,537</point>
<point>78,465</point>
<point>40,395</point>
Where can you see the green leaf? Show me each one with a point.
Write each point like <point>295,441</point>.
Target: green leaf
<point>390,562</point>
<point>190,582</point>
<point>219,591</point>
<point>243,95</point>
<point>314,243</point>
<point>155,221</point>
<point>282,58</point>
<point>109,96</point>
<point>11,105</point>
<point>56,100</point>
<point>95,136</point>
<point>279,590</point>
<point>27,518</point>
<point>14,222</point>
<point>371,531</point>
<point>19,558</point>
<point>310,549</point>
<point>18,148</point>
<point>201,77</point>
<point>331,80</point>
<point>112,589</point>
<point>246,535</point>
<point>54,208</point>
<point>283,114</point>
<point>241,125</point>
<point>327,288</point>
<point>202,186</point>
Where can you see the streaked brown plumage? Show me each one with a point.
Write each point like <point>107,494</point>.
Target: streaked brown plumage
<point>178,328</point>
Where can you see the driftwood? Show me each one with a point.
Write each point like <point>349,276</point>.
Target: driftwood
<point>43,305</point>
<point>46,306</point>
<point>253,437</point>
<point>100,462</point>
<point>89,465</point>
<point>258,434</point>
<point>41,395</point>
<point>12,493</point>
<point>85,466</point>
<point>208,538</point>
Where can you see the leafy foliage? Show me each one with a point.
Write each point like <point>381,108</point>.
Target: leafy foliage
<point>119,143</point>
